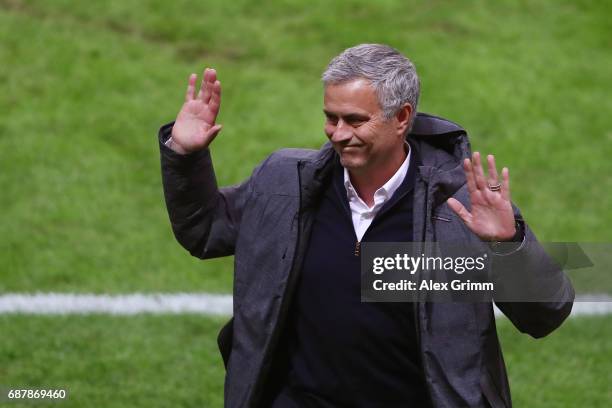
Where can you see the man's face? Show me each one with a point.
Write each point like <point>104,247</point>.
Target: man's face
<point>355,125</point>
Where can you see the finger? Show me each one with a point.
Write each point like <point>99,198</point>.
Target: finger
<point>212,75</point>
<point>190,87</point>
<point>469,175</point>
<point>203,83</point>
<point>460,210</point>
<point>211,78</point>
<point>493,176</point>
<point>505,189</point>
<point>478,172</point>
<point>215,99</point>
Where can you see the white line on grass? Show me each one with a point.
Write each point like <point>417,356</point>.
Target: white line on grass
<point>128,304</point>
<point>175,303</point>
<point>586,305</point>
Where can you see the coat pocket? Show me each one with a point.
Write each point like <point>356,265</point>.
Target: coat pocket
<point>441,216</point>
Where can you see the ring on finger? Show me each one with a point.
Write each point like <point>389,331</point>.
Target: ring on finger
<point>495,187</point>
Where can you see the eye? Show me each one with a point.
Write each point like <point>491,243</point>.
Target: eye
<point>356,121</point>
<point>331,119</point>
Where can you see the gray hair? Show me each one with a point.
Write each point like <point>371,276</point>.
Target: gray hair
<point>392,75</point>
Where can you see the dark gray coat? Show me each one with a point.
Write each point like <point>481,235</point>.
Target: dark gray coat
<point>264,222</point>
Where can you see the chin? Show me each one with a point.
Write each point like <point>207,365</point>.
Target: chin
<point>351,162</point>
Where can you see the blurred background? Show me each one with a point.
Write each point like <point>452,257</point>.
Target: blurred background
<point>84,87</point>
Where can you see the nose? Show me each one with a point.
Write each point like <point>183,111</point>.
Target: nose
<point>339,132</point>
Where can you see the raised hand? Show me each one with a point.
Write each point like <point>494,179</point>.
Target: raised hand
<point>492,217</point>
<point>195,128</point>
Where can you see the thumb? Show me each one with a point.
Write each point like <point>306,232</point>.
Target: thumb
<point>460,210</point>
<point>212,133</point>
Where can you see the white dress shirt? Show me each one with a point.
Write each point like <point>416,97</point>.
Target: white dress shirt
<point>360,212</point>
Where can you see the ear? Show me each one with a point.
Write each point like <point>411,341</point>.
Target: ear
<point>403,116</point>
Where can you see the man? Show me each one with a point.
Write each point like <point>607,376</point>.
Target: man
<point>300,335</point>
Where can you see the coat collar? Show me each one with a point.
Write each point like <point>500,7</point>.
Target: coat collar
<point>442,146</point>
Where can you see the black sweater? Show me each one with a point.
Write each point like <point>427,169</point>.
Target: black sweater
<point>342,352</point>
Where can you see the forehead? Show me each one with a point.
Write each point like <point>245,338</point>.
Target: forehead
<point>357,96</point>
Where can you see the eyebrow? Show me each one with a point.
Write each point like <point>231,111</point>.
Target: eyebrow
<point>349,117</point>
<point>327,113</point>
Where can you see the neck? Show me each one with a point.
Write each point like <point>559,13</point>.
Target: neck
<point>367,180</point>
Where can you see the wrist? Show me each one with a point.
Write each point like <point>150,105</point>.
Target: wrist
<point>508,246</point>
<point>175,147</point>
<point>508,236</point>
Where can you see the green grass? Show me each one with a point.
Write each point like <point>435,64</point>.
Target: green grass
<point>84,87</point>
<point>101,361</point>
<point>172,361</point>
<point>569,368</point>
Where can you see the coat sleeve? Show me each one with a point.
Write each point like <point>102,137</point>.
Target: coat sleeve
<point>536,294</point>
<point>204,218</point>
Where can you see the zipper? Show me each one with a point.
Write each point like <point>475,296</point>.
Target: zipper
<point>357,250</point>
<point>419,306</point>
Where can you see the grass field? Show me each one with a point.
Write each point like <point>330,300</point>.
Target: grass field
<point>171,361</point>
<point>84,87</point>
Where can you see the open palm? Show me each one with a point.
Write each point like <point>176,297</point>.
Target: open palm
<point>491,216</point>
<point>195,128</point>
